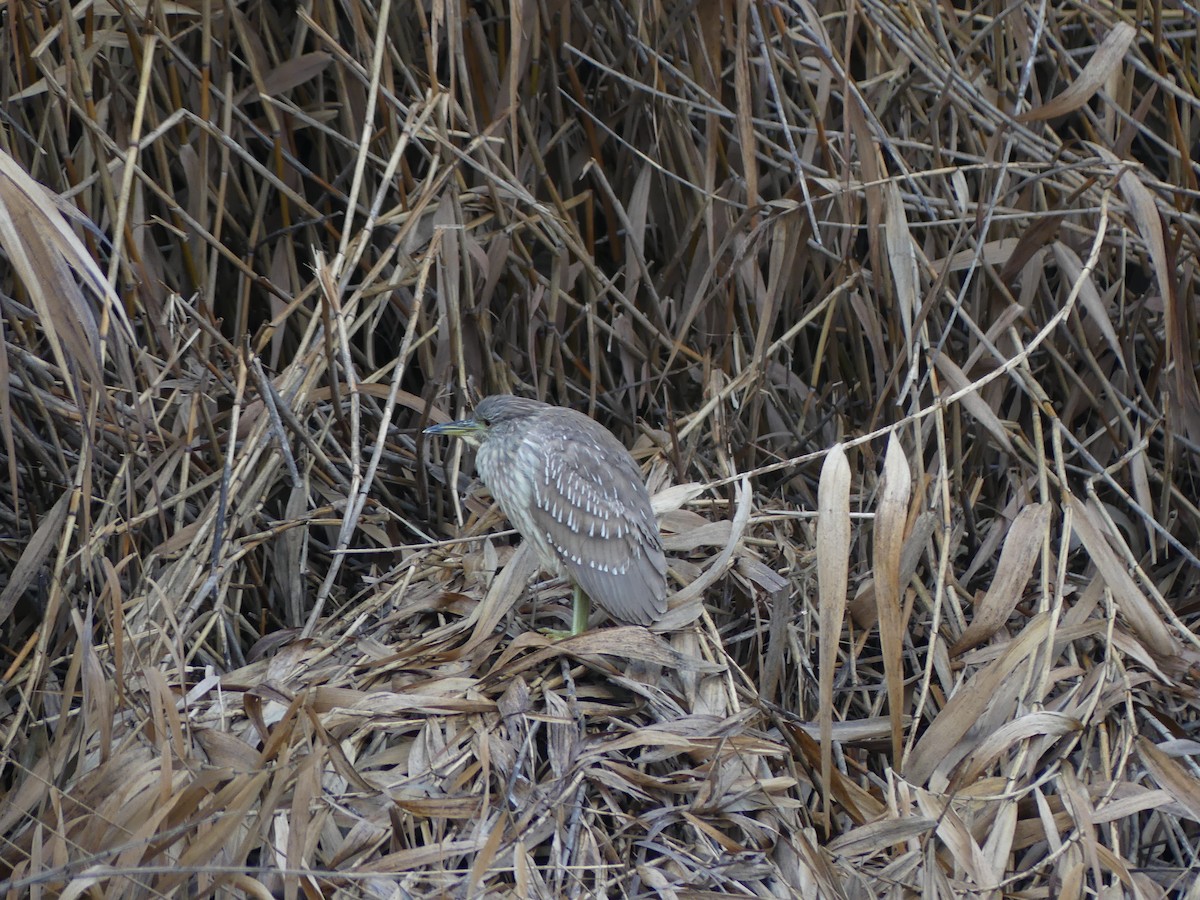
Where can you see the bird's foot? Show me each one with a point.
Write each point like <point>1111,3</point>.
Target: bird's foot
<point>558,634</point>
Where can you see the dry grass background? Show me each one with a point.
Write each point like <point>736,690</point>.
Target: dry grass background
<point>929,270</point>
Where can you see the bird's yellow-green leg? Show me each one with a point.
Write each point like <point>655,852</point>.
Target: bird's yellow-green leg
<point>581,609</point>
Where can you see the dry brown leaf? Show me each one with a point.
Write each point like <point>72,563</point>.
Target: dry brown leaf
<point>1022,545</point>
<point>1131,800</point>
<point>225,750</point>
<point>1179,340</point>
<point>975,404</point>
<point>833,560</point>
<point>999,842</point>
<point>993,253</point>
<point>874,837</point>
<point>902,257</point>
<point>503,593</point>
<point>630,642</point>
<point>35,554</point>
<point>1183,787</point>
<point>1080,806</point>
<point>675,496</point>
<point>295,71</point>
<point>1099,68</point>
<point>682,603</point>
<point>710,534</point>
<point>326,699</point>
<point>1133,604</point>
<point>1098,315</point>
<point>408,860</point>
<point>965,707</point>
<point>1030,725</point>
<point>43,251</point>
<point>857,802</point>
<point>956,837</point>
<point>747,137</point>
<point>891,518</point>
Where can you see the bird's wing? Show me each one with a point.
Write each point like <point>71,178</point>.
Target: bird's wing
<point>589,503</point>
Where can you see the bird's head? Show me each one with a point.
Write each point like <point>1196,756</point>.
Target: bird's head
<point>497,410</point>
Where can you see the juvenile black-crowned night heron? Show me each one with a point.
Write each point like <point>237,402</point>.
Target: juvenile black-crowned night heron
<point>574,493</point>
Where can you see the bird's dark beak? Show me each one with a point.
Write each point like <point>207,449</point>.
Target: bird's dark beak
<point>469,430</point>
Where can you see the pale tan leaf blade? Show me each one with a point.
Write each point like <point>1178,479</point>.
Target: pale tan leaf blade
<point>874,837</point>
<point>1073,270</point>
<point>891,517</point>
<point>35,554</point>
<point>902,255</point>
<point>1173,778</point>
<point>975,404</point>
<point>1097,71</point>
<point>1021,547</point>
<point>968,704</point>
<point>833,561</point>
<point>1136,607</point>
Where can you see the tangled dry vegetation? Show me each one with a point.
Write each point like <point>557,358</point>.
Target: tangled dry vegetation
<point>896,304</point>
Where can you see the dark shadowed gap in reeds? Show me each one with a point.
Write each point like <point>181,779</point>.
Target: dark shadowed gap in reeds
<point>896,305</point>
